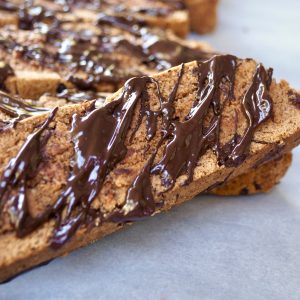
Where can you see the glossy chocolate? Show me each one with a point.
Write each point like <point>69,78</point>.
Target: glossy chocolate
<point>13,182</point>
<point>98,58</point>
<point>8,6</point>
<point>17,110</point>
<point>101,135</point>
<point>257,107</point>
<point>32,17</point>
<point>76,96</point>
<point>5,72</point>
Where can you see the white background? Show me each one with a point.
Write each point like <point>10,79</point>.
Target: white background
<point>211,247</point>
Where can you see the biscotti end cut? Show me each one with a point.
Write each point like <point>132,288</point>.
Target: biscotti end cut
<point>260,179</point>
<point>169,138</point>
<point>203,15</point>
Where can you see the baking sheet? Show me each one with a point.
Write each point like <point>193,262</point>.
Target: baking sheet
<point>211,247</point>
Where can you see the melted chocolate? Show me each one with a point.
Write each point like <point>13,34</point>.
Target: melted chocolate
<point>86,53</point>
<point>99,143</point>
<point>127,23</point>
<point>189,139</point>
<point>7,6</point>
<point>257,107</point>
<point>166,54</point>
<point>69,5</point>
<point>76,96</point>
<point>100,138</point>
<point>165,8</point>
<point>17,110</point>
<point>13,182</point>
<point>5,72</point>
<point>36,17</point>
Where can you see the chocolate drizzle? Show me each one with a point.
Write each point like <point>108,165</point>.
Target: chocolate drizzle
<point>32,17</point>
<point>8,6</point>
<point>17,110</point>
<point>163,9</point>
<point>126,23</point>
<point>76,96</point>
<point>190,138</point>
<point>257,107</point>
<point>101,136</point>
<point>13,182</point>
<point>99,139</point>
<point>86,58</point>
<point>5,72</point>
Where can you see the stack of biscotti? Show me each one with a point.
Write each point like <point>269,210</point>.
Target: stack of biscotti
<point>49,61</point>
<point>176,15</point>
<point>82,171</point>
<point>90,57</point>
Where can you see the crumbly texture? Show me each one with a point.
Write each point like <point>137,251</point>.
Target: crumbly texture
<point>17,254</point>
<point>261,179</point>
<point>203,15</point>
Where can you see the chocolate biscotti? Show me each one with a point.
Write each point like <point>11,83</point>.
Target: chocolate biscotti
<point>261,179</point>
<point>162,140</point>
<point>176,15</point>
<point>90,57</point>
<point>171,15</point>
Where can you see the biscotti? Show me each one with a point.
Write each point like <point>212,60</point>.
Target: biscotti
<point>90,57</point>
<point>171,15</point>
<point>203,15</point>
<point>164,139</point>
<point>178,16</point>
<point>259,180</point>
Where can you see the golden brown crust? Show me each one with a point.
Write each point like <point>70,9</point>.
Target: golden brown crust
<point>281,131</point>
<point>261,179</point>
<point>203,15</point>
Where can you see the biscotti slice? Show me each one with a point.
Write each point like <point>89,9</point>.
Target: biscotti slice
<point>90,57</point>
<point>203,15</point>
<point>82,171</point>
<point>259,180</point>
<point>171,15</point>
<point>177,16</point>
